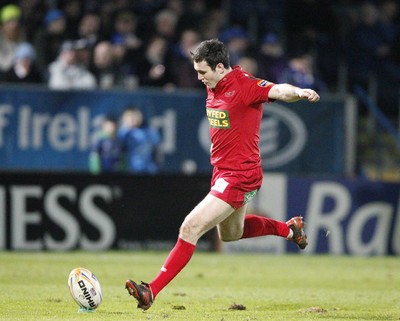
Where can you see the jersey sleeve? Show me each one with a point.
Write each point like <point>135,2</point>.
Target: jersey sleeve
<point>255,90</point>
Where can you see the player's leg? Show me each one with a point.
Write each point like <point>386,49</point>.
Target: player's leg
<point>240,225</point>
<point>206,215</point>
<point>238,189</point>
<point>231,229</point>
<point>256,225</point>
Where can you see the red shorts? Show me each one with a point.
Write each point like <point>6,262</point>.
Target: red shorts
<point>236,187</point>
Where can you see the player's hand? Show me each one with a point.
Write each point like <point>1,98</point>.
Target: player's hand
<point>309,94</point>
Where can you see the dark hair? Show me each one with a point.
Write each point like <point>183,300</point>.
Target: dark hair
<point>131,108</point>
<point>111,118</point>
<point>212,52</point>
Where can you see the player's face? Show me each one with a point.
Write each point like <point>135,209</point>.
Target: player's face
<point>208,76</point>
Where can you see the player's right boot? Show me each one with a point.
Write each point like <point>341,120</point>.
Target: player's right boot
<point>141,292</point>
<point>299,237</point>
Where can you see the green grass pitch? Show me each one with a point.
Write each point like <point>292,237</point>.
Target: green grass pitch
<point>214,286</point>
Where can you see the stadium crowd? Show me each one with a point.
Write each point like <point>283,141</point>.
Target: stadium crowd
<point>322,44</point>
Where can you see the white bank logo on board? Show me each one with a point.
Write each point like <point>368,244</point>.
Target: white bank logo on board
<point>283,136</point>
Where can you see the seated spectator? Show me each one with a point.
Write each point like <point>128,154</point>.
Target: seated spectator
<point>180,60</point>
<point>89,28</point>
<point>193,16</point>
<point>66,72</point>
<point>389,17</point>
<point>127,46</point>
<point>249,64</point>
<point>152,68</point>
<point>369,45</point>
<point>165,23</point>
<point>52,35</point>
<point>73,10</point>
<point>141,143</point>
<point>24,69</point>
<point>105,67</point>
<point>106,154</point>
<point>237,42</point>
<point>33,12</point>
<point>84,52</point>
<point>307,22</point>
<point>213,23</point>
<point>301,73</point>
<point>272,60</point>
<point>11,34</point>
<point>125,33</point>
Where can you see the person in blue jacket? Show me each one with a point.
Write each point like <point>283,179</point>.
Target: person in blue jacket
<point>140,142</point>
<point>106,155</point>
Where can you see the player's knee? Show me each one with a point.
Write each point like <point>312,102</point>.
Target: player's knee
<point>189,231</point>
<point>184,230</point>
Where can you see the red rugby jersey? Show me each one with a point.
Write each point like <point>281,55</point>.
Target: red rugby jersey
<point>234,111</point>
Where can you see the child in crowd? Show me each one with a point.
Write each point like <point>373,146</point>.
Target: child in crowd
<point>107,151</point>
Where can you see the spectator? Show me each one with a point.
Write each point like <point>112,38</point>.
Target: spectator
<point>307,21</point>
<point>193,15</point>
<point>312,26</point>
<point>369,46</point>
<point>24,69</point>
<point>66,72</point>
<point>33,12</point>
<point>146,11</point>
<point>89,28</point>
<point>125,32</point>
<point>165,22</point>
<point>84,52</point>
<point>140,142</point>
<point>213,23</point>
<point>178,7</point>
<point>127,46</point>
<point>105,67</point>
<point>106,153</point>
<point>237,42</point>
<point>107,15</point>
<point>272,60</point>
<point>249,64</point>
<point>48,39</point>
<point>301,72</point>
<point>11,34</point>
<point>389,17</point>
<point>181,62</point>
<point>72,10</point>
<point>152,68</point>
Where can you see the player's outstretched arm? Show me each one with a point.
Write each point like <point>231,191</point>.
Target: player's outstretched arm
<point>290,93</point>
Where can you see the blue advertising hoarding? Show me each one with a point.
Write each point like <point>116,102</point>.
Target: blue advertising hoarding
<point>42,129</point>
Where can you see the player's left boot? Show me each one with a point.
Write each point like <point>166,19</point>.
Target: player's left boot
<point>141,292</point>
<point>299,237</point>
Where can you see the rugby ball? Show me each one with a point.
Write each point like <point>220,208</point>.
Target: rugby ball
<point>85,288</point>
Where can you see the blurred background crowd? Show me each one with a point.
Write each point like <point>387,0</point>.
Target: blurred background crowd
<point>323,44</point>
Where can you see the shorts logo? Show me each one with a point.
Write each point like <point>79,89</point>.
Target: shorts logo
<point>218,118</point>
<point>220,185</point>
<point>263,83</point>
<point>248,196</point>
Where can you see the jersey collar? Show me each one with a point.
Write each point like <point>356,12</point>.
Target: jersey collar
<point>224,81</point>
